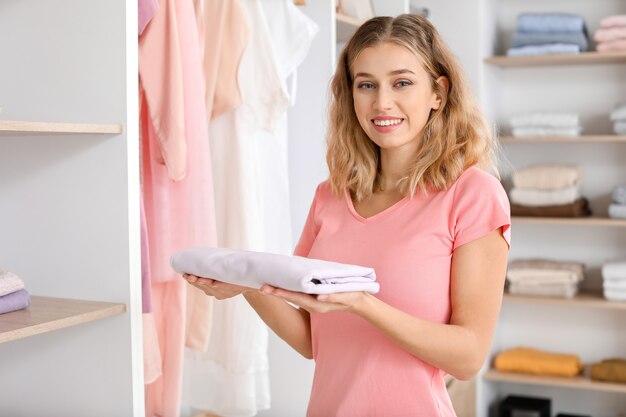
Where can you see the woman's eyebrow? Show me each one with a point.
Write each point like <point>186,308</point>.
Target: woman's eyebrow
<point>394,72</point>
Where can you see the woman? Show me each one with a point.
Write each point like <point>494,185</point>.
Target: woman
<point>406,197</point>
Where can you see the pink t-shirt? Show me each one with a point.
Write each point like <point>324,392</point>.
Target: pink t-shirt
<point>358,370</point>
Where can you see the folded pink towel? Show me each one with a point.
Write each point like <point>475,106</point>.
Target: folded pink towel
<point>613,21</point>
<point>617,45</point>
<point>610,34</point>
<point>295,273</point>
<point>14,301</point>
<point>9,283</point>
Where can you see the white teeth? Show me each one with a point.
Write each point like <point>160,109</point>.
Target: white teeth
<point>387,122</point>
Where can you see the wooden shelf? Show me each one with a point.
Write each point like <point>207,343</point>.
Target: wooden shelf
<point>582,299</point>
<point>545,60</point>
<point>46,314</point>
<point>577,221</point>
<point>346,26</point>
<point>12,127</point>
<point>579,382</point>
<point>564,139</point>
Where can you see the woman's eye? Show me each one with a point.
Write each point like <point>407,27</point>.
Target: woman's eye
<point>403,83</point>
<point>366,85</point>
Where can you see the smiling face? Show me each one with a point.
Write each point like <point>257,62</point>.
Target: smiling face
<point>393,96</point>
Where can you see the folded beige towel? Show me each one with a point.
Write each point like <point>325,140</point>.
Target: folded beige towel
<point>556,119</point>
<point>563,290</point>
<point>522,132</point>
<point>546,271</point>
<point>547,176</point>
<point>536,198</point>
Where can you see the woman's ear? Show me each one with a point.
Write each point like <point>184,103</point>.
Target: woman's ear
<point>441,92</point>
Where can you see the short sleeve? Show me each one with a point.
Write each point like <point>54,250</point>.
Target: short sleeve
<point>310,229</point>
<point>481,206</point>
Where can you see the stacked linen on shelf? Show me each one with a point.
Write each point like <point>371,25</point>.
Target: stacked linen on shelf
<point>546,124</point>
<point>13,296</point>
<point>548,190</point>
<point>542,277</point>
<point>548,34</point>
<point>618,117</point>
<point>617,208</point>
<point>614,280</point>
<point>538,362</point>
<point>609,370</point>
<point>612,34</point>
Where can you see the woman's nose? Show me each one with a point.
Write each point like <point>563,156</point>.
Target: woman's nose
<point>384,99</point>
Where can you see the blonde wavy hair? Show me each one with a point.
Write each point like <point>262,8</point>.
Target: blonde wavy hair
<point>456,135</point>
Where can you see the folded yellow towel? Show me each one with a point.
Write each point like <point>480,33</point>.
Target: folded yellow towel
<point>613,370</point>
<point>533,361</point>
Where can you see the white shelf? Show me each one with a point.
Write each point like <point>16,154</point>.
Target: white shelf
<point>579,382</point>
<point>582,299</point>
<point>584,58</point>
<point>12,127</point>
<point>346,26</point>
<point>574,221</point>
<point>564,139</point>
<point>46,314</point>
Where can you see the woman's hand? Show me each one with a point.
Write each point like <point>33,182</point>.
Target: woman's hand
<point>323,303</point>
<point>217,289</point>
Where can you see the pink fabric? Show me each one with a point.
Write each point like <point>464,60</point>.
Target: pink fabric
<point>358,370</point>
<point>147,10</point>
<point>163,395</point>
<point>610,34</point>
<point>617,45</point>
<point>613,21</point>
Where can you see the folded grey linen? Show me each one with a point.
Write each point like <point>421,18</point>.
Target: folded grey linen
<point>524,39</point>
<point>550,23</point>
<point>548,49</point>
<point>617,211</point>
<point>619,194</point>
<point>254,269</point>
<point>619,127</point>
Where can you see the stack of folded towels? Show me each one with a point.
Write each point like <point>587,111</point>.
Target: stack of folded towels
<point>614,280</point>
<point>543,277</point>
<point>617,208</point>
<point>546,124</point>
<point>548,190</point>
<point>609,370</point>
<point>618,117</point>
<point>612,34</point>
<point>549,33</point>
<point>13,296</point>
<point>537,362</point>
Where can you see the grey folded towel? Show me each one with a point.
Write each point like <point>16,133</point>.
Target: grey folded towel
<point>524,39</point>
<point>619,194</point>
<point>550,23</point>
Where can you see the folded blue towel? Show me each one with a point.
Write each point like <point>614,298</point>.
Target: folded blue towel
<point>550,23</point>
<point>525,39</point>
<point>15,301</point>
<point>619,194</point>
<point>548,49</point>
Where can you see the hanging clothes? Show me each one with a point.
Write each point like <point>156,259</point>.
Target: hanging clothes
<point>177,181</point>
<point>231,378</point>
<point>146,11</point>
<point>221,55</point>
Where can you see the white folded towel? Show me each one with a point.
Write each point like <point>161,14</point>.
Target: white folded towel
<point>614,270</point>
<point>537,198</point>
<point>254,269</point>
<point>619,112</point>
<point>614,284</point>
<point>546,176</point>
<point>522,132</point>
<point>10,283</point>
<point>615,295</point>
<point>546,120</point>
<point>617,211</point>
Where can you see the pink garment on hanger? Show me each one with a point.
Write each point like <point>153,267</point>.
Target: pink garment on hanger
<point>227,37</point>
<point>147,10</point>
<point>179,213</point>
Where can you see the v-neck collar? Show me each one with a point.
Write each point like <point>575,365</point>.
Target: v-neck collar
<point>376,216</point>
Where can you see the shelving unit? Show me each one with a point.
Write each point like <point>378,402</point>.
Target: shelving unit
<point>582,299</point>
<point>11,127</point>
<point>346,26</point>
<point>46,314</point>
<point>579,382</point>
<point>584,58</point>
